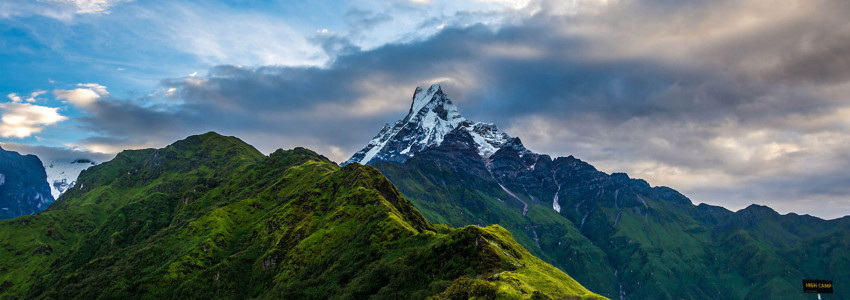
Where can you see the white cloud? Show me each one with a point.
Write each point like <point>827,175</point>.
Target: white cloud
<point>77,97</point>
<point>57,9</point>
<point>14,97</point>
<point>57,152</point>
<point>84,96</point>
<point>91,6</point>
<point>97,88</point>
<point>35,94</point>
<point>106,148</point>
<point>22,119</point>
<point>513,4</point>
<point>218,35</point>
<point>17,98</point>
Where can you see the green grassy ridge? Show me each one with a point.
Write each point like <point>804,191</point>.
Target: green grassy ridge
<point>668,249</point>
<point>211,217</point>
<point>446,194</point>
<point>32,243</point>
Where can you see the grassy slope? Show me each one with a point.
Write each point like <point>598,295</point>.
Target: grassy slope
<point>434,191</point>
<point>210,217</point>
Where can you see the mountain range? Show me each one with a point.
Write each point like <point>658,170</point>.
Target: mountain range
<point>210,217</point>
<point>617,235</point>
<point>434,206</point>
<point>23,185</point>
<point>24,194</point>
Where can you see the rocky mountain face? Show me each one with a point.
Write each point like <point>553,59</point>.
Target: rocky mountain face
<point>211,217</point>
<point>23,185</point>
<point>616,235</point>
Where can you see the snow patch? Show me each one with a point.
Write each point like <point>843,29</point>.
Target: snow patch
<point>372,152</point>
<point>583,219</point>
<point>536,239</point>
<point>421,99</point>
<point>555,205</point>
<point>437,128</point>
<point>525,205</point>
<point>484,149</point>
<point>487,137</point>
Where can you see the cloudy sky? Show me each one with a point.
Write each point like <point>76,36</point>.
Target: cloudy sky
<point>731,102</point>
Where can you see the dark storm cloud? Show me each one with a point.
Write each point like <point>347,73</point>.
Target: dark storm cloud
<point>825,61</point>
<point>725,96</point>
<point>118,118</point>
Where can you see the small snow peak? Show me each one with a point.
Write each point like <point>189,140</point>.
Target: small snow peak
<point>488,137</point>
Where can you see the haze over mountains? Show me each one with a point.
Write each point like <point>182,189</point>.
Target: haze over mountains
<point>616,235</point>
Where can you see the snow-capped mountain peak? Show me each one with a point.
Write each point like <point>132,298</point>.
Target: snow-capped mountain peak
<point>432,116</point>
<point>62,173</point>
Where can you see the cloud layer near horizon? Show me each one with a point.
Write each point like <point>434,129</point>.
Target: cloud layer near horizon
<point>730,102</point>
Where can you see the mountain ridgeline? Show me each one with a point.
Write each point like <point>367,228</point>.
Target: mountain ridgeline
<point>23,179</point>
<point>212,217</point>
<point>618,236</point>
<point>23,185</point>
